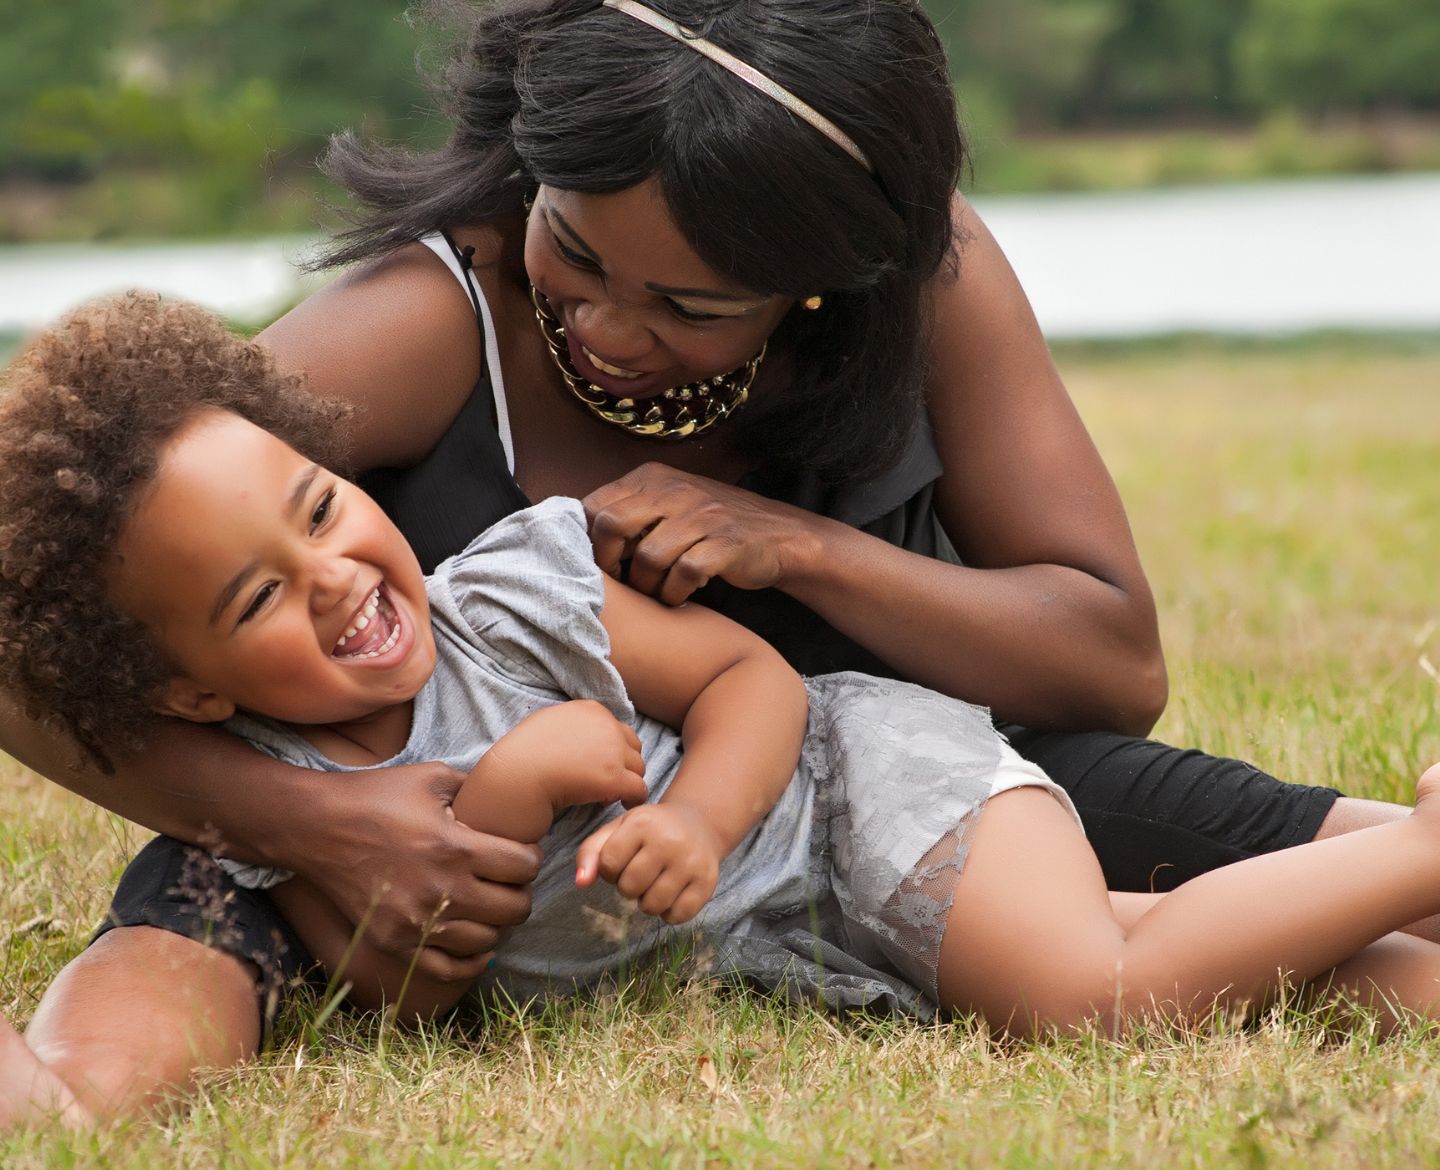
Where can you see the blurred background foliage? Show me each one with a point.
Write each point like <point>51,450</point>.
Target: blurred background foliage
<point>201,117</point>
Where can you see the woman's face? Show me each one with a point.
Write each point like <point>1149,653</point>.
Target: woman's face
<point>642,312</point>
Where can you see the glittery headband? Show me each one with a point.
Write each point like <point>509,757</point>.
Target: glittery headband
<point>746,73</point>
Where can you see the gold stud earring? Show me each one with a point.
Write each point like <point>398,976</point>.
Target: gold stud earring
<point>812,303</point>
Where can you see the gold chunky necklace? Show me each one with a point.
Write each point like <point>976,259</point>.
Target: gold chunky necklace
<point>682,412</point>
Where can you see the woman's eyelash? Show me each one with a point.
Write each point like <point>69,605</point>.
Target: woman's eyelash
<point>579,259</point>
<point>690,314</point>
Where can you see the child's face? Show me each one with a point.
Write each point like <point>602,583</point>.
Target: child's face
<point>250,564</point>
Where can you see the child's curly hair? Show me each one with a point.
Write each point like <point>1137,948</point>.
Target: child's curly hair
<point>86,408</point>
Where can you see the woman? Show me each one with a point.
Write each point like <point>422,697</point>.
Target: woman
<point>779,225</point>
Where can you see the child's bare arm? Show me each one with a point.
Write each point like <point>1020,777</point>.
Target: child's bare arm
<point>568,754</point>
<point>742,711</point>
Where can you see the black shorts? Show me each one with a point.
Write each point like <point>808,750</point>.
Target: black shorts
<point>1156,816</point>
<point>180,888</point>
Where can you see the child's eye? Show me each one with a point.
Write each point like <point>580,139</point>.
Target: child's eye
<point>322,510</point>
<point>257,603</point>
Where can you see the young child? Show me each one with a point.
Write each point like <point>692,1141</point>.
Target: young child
<point>174,545</point>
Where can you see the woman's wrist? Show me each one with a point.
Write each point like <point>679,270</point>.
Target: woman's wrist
<point>805,551</point>
<point>812,556</point>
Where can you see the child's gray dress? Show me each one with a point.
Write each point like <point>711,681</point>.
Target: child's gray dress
<point>840,892</point>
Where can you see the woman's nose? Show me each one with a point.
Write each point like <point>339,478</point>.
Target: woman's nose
<point>613,331</point>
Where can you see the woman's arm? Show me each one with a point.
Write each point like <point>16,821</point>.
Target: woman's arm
<point>384,847</point>
<point>568,754</point>
<point>742,714</point>
<point>1050,621</point>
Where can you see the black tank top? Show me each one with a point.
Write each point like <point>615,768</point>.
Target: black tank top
<point>463,486</point>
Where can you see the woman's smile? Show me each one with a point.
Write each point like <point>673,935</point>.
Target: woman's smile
<point>642,313</point>
<point>606,368</point>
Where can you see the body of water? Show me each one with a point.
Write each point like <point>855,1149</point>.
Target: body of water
<point>1355,253</point>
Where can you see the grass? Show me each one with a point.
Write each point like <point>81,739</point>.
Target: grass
<point>1286,505</point>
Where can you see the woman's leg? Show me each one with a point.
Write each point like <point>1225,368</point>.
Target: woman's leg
<point>1033,938</point>
<point>127,1023</point>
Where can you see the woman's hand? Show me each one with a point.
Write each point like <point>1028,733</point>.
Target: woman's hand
<point>679,531</point>
<point>390,854</point>
<point>666,856</point>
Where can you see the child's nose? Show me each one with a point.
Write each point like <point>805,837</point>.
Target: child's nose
<point>333,580</point>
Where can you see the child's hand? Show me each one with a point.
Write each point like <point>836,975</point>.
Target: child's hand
<point>664,855</point>
<point>575,753</point>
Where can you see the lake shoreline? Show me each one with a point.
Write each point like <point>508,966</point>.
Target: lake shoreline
<point>1358,254</point>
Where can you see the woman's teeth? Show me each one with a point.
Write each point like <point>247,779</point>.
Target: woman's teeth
<point>606,368</point>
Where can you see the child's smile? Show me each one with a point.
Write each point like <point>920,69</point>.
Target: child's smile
<point>272,585</point>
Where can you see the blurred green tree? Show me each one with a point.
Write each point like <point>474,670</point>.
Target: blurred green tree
<point>1024,56</point>
<point>40,51</point>
<point>1165,59</point>
<point>1329,55</point>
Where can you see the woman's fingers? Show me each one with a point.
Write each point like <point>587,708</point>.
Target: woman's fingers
<point>461,939</point>
<point>617,525</point>
<point>434,963</point>
<point>656,559</point>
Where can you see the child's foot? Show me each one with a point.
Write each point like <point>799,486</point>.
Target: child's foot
<point>30,1092</point>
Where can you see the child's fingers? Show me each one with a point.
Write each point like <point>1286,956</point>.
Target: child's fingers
<point>661,894</point>
<point>687,904</point>
<point>587,857</point>
<point>631,737</point>
<point>631,789</point>
<point>638,874</point>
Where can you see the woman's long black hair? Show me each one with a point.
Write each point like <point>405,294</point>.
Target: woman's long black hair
<point>581,97</point>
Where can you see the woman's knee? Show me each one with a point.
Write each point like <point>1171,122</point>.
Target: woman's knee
<point>133,1018</point>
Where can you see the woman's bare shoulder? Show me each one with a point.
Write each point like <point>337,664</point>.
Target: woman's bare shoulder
<point>397,337</point>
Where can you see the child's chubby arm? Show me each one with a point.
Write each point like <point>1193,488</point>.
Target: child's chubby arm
<point>571,753</point>
<point>741,710</point>
<point>567,754</point>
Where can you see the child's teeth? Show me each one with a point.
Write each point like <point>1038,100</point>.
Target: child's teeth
<point>386,646</point>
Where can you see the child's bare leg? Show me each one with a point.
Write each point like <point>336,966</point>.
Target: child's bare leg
<point>1033,938</point>
<point>1397,976</point>
<point>127,1023</point>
